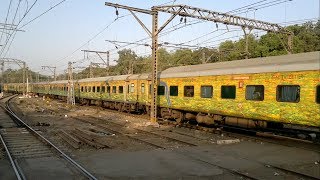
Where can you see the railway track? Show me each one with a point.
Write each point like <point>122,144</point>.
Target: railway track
<point>238,132</point>
<point>164,142</point>
<point>145,137</point>
<point>251,135</point>
<point>24,145</point>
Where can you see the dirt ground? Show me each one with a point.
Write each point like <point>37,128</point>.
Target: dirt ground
<point>126,158</point>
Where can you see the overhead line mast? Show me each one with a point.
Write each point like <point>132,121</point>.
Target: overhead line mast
<point>98,53</point>
<point>53,70</point>
<point>21,64</point>
<point>198,13</point>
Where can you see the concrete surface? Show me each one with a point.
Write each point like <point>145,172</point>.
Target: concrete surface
<point>206,162</point>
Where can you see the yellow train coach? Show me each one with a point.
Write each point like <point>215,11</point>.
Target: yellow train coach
<point>255,92</point>
<point>259,92</point>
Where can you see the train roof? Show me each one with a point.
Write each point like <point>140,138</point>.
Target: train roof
<point>59,82</point>
<point>106,78</point>
<point>293,62</point>
<point>116,78</point>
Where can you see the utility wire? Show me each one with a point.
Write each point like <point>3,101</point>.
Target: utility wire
<point>32,21</point>
<point>14,33</point>
<point>6,19</point>
<point>93,37</point>
<point>43,13</point>
<point>14,18</point>
<point>260,6</point>
<point>245,7</point>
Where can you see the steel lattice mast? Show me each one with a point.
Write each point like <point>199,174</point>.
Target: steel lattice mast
<point>198,13</point>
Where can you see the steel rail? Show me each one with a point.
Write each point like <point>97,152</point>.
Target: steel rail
<point>149,132</point>
<point>82,169</point>
<point>13,164</point>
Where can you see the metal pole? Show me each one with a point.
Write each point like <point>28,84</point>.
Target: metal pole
<point>290,41</point>
<point>38,76</point>
<point>2,72</point>
<point>2,78</point>
<point>108,61</point>
<point>154,88</point>
<point>247,41</point>
<point>91,70</point>
<point>24,78</point>
<point>27,78</point>
<point>71,98</point>
<point>55,73</point>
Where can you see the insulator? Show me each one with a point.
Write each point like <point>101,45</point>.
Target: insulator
<point>217,25</point>
<point>185,20</point>
<point>181,19</point>
<point>117,12</point>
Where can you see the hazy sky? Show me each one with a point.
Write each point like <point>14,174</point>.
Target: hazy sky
<point>54,38</point>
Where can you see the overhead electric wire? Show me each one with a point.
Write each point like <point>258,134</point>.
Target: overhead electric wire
<point>33,20</point>
<point>260,6</point>
<point>244,7</point>
<point>14,33</point>
<point>6,20</point>
<point>167,31</point>
<point>43,13</point>
<point>257,4</point>
<point>14,18</point>
<point>93,37</point>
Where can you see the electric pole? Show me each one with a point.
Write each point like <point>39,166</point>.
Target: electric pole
<point>71,98</point>
<point>92,64</point>
<point>38,77</point>
<point>52,69</point>
<point>193,12</point>
<point>2,79</point>
<point>108,63</point>
<point>24,78</point>
<point>98,53</point>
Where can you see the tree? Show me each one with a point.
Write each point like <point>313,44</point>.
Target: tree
<point>125,62</point>
<point>183,57</point>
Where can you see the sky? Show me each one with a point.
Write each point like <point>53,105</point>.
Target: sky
<point>59,35</point>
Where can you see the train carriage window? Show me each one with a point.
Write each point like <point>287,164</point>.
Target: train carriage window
<point>288,93</point>
<point>86,88</point>
<point>114,89</point>
<point>132,88</point>
<point>89,88</point>
<point>93,89</point>
<point>108,89</point>
<point>206,91</point>
<point>255,92</point>
<point>228,92</point>
<point>142,88</point>
<point>318,94</point>
<point>98,89</point>
<point>174,91</point>
<point>103,89</point>
<point>188,91</point>
<point>161,90</point>
<point>120,89</point>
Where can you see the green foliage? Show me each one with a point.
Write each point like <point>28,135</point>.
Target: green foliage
<point>16,76</point>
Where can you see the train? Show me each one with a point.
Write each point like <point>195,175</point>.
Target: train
<point>266,92</point>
